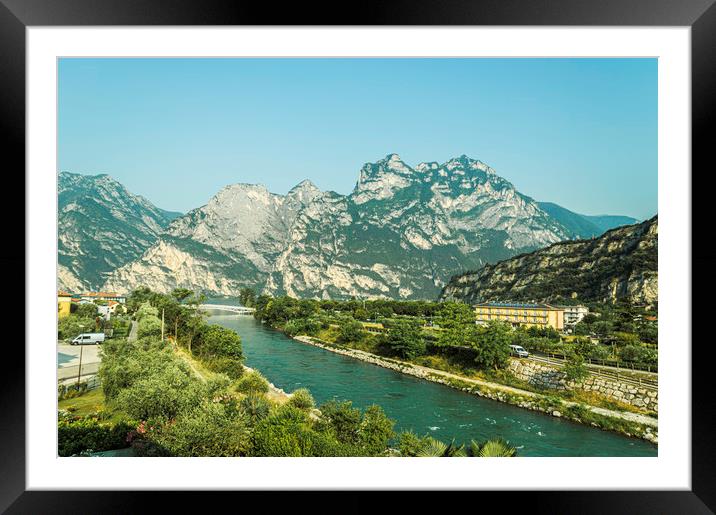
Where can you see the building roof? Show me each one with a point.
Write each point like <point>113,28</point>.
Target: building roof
<point>61,293</point>
<point>514,305</point>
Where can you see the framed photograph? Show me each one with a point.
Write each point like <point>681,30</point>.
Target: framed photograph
<point>299,252</point>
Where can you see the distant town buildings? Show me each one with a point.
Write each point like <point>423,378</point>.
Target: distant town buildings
<point>540,315</point>
<point>101,295</point>
<point>64,302</point>
<point>574,314</point>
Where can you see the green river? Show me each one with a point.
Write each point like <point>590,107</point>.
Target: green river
<point>424,407</point>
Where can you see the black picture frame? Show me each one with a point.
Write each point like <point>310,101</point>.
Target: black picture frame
<point>700,15</point>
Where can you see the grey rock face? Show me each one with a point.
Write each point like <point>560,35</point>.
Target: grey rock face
<point>402,233</point>
<point>101,226</point>
<point>620,264</point>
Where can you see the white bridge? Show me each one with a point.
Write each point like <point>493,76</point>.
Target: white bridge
<point>239,310</point>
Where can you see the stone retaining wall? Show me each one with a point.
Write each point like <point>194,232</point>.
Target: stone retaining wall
<point>531,401</point>
<point>546,376</point>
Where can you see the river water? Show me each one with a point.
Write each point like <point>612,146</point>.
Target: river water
<point>415,404</point>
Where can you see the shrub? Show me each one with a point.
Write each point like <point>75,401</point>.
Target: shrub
<point>225,365</point>
<point>255,406</point>
<point>88,434</point>
<point>375,430</point>
<point>207,430</point>
<point>409,444</point>
<point>252,382</point>
<point>342,418</point>
<point>162,395</point>
<point>149,325</point>
<point>288,432</point>
<point>302,399</point>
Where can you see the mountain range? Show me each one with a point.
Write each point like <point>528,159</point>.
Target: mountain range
<point>401,233</point>
<point>101,226</point>
<point>620,264</point>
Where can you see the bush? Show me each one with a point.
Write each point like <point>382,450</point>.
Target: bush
<point>88,434</point>
<point>207,430</point>
<point>149,325</point>
<point>71,391</point>
<point>410,444</point>
<point>163,395</point>
<point>307,326</point>
<point>255,406</point>
<point>252,382</point>
<point>302,399</point>
<point>376,429</point>
<point>288,432</point>
<point>225,365</point>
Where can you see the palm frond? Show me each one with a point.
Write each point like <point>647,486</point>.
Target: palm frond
<point>497,449</point>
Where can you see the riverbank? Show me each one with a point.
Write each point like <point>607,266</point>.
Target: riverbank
<point>629,424</point>
<point>275,393</point>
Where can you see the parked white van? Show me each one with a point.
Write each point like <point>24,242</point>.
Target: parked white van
<point>519,351</point>
<point>88,339</point>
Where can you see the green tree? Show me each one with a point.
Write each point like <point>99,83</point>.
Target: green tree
<point>350,331</point>
<point>574,368</point>
<point>180,294</point>
<point>492,348</point>
<point>247,296</point>
<point>457,322</point>
<point>161,395</point>
<point>73,325</point>
<point>86,310</point>
<point>405,338</point>
<point>219,341</point>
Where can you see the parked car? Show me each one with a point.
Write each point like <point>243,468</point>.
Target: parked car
<point>88,339</point>
<point>519,351</point>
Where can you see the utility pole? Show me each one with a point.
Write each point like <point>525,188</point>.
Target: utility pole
<point>79,370</point>
<point>162,324</point>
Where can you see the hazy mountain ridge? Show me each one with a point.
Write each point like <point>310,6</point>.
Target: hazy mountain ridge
<point>585,226</point>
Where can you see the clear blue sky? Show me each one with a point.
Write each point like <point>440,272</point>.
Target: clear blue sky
<point>578,132</point>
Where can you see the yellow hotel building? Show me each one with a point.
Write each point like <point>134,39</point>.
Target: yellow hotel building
<point>64,301</point>
<point>540,315</point>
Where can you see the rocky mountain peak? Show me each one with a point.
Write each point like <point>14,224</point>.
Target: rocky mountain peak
<point>303,192</point>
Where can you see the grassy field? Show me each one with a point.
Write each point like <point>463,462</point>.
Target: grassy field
<point>90,403</point>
